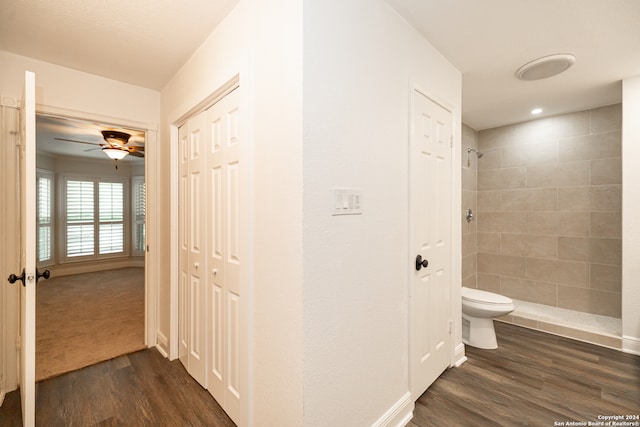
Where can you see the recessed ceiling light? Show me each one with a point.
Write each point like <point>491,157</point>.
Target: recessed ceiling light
<point>536,111</point>
<point>545,67</point>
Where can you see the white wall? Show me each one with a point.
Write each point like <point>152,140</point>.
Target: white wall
<point>261,41</point>
<point>630,209</point>
<point>359,60</point>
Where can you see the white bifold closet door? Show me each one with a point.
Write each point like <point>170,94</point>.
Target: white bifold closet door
<point>211,239</point>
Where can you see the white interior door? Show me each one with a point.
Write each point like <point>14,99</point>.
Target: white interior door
<point>193,259</point>
<point>224,253</point>
<point>28,249</point>
<point>430,240</point>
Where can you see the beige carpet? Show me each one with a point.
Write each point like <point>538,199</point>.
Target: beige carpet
<point>88,318</point>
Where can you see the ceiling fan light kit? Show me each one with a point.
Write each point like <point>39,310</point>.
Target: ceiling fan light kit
<point>115,153</point>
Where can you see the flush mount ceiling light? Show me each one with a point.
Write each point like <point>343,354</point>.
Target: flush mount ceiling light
<point>545,67</point>
<point>536,111</point>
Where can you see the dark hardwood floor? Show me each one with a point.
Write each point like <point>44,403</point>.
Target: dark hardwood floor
<point>139,389</point>
<point>532,379</point>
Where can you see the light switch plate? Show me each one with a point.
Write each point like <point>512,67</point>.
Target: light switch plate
<point>346,201</point>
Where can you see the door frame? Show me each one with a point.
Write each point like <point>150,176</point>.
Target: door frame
<point>151,259</point>
<point>10,298</point>
<point>457,347</point>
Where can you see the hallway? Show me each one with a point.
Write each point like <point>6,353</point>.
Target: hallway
<point>142,388</point>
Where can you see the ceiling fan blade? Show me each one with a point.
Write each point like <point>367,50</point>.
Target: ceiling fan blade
<point>79,142</point>
<point>136,154</point>
<point>92,149</point>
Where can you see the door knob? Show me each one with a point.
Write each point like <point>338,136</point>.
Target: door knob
<point>13,278</point>
<point>46,274</point>
<point>420,263</point>
<point>196,265</point>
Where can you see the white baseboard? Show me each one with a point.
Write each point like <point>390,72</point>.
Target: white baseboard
<point>162,344</point>
<point>459,356</point>
<point>93,266</point>
<point>631,345</point>
<point>399,414</point>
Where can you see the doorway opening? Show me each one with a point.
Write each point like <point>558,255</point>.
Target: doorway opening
<point>91,234</point>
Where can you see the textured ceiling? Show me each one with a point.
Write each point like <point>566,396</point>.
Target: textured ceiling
<point>489,40</point>
<point>142,42</point>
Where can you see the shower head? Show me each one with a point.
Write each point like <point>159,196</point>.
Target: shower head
<point>478,153</point>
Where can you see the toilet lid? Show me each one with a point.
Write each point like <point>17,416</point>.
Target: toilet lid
<point>477,295</point>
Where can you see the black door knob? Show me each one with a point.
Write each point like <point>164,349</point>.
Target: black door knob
<point>46,274</point>
<point>420,263</point>
<point>13,278</point>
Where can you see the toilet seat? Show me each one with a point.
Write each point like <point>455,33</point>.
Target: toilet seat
<point>484,297</point>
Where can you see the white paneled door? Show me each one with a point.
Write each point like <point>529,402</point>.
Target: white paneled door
<point>430,240</point>
<point>28,250</point>
<point>212,218</point>
<point>192,170</point>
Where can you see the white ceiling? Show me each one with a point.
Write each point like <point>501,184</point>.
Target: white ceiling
<point>489,40</point>
<point>144,42</point>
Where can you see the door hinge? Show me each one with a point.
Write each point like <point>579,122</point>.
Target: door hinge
<point>450,326</point>
<point>451,142</point>
<point>148,248</point>
<point>18,342</point>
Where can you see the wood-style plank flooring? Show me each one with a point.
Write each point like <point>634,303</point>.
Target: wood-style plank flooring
<point>139,389</point>
<point>532,379</point>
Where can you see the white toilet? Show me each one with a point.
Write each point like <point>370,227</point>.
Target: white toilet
<point>478,310</point>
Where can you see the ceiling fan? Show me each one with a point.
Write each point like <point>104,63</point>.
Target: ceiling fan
<point>116,144</point>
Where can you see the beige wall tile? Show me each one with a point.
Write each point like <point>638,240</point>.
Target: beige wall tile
<point>469,244</point>
<point>490,160</point>
<point>574,199</point>
<point>591,337</point>
<point>606,277</point>
<point>528,290</point>
<point>501,265</point>
<point>574,224</point>
<point>530,154</point>
<point>606,224</point>
<point>568,174</point>
<point>489,201</point>
<point>542,270</point>
<point>523,321</point>
<point>542,223</point>
<point>543,199</point>
<point>588,147</point>
<point>501,179</point>
<point>606,171</point>
<point>574,249</point>
<point>469,180</point>
<point>469,265</point>
<point>489,243</point>
<point>496,137</point>
<point>606,118</point>
<point>507,222</point>
<point>605,251</point>
<point>590,301</point>
<point>527,245</point>
<point>469,200</point>
<point>470,281</point>
<point>573,273</point>
<point>489,282</point>
<point>606,198</point>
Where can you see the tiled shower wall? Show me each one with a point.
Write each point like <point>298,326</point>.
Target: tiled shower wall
<point>469,201</point>
<point>548,211</point>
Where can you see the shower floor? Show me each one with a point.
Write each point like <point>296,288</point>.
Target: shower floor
<point>601,330</point>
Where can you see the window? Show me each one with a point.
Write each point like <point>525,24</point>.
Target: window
<point>94,218</point>
<point>44,217</point>
<point>139,207</point>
